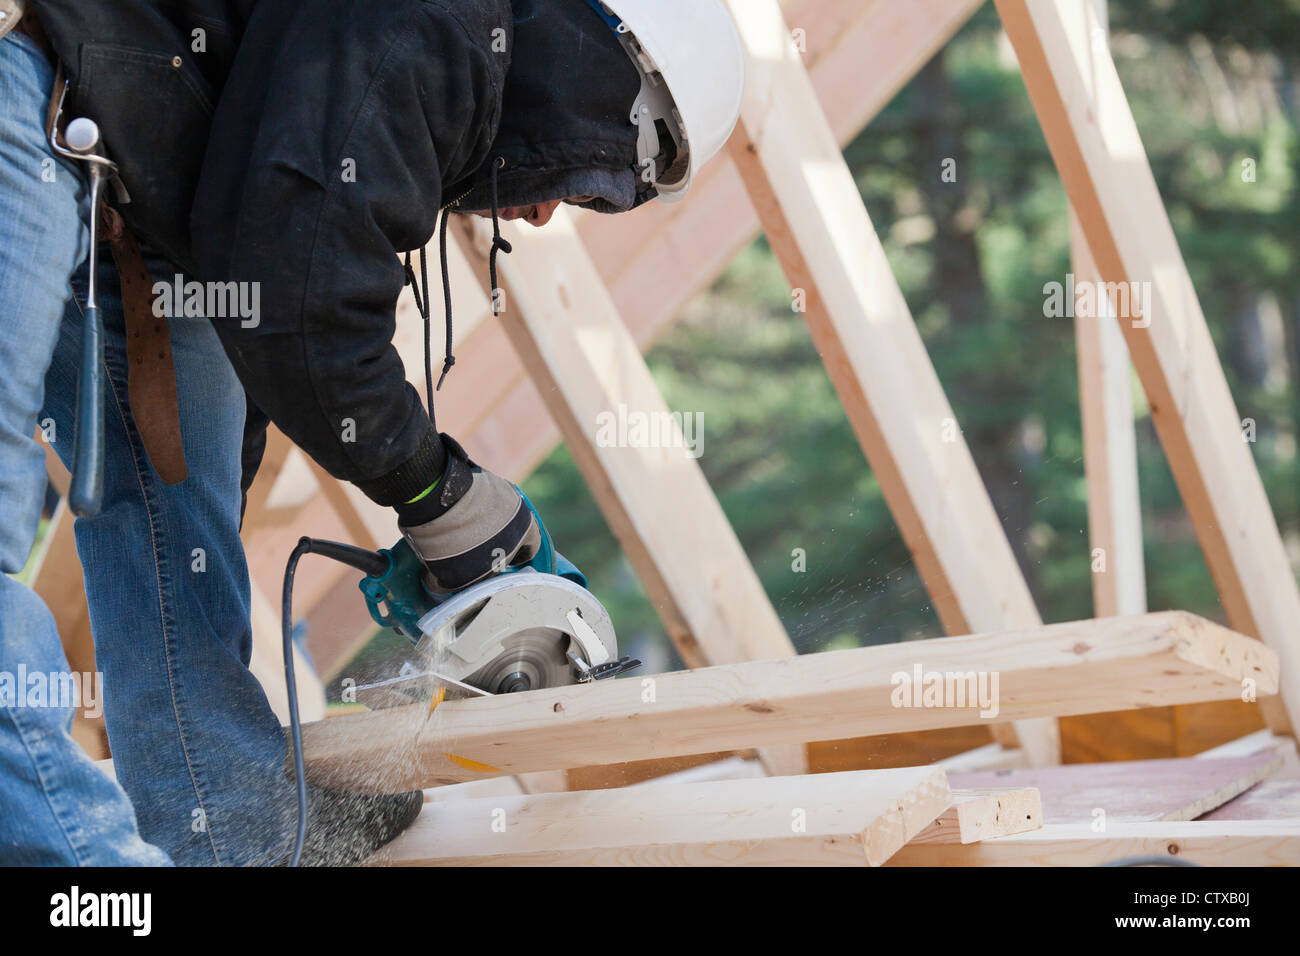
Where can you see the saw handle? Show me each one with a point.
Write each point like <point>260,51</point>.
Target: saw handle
<point>547,560</point>
<point>396,596</point>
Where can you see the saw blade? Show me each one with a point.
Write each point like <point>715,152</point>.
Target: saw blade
<point>530,660</point>
<point>520,631</point>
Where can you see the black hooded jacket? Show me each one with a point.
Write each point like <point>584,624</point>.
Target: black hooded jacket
<point>317,139</point>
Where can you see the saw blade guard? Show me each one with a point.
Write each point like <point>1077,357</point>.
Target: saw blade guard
<point>520,631</point>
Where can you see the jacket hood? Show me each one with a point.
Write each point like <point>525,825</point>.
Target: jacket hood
<point>565,116</point>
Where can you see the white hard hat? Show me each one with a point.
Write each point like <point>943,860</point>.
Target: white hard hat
<point>692,48</point>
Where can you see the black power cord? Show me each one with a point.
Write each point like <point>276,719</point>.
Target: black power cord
<point>368,562</point>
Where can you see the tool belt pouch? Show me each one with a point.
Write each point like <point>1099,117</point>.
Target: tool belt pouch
<point>151,371</point>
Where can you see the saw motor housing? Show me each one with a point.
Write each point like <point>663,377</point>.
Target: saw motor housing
<point>524,628</point>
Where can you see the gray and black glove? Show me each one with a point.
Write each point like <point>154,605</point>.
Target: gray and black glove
<point>470,525</point>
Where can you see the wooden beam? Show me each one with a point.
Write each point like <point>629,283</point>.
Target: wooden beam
<point>1206,843</point>
<point>656,500</point>
<point>860,818</point>
<point>56,576</point>
<point>1109,453</point>
<point>1257,742</point>
<point>989,757</point>
<point>257,509</point>
<point>1084,667</point>
<point>985,815</point>
<point>1099,153</point>
<point>1263,741</point>
<point>1270,800</point>
<point>1109,437</point>
<point>1132,790</point>
<point>816,222</point>
<point>267,664</point>
<point>729,768</point>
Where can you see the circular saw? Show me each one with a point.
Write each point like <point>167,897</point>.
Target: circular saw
<point>526,628</point>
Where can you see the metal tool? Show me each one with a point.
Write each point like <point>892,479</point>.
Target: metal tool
<point>525,628</point>
<point>86,491</point>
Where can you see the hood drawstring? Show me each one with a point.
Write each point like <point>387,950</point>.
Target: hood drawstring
<point>499,244</point>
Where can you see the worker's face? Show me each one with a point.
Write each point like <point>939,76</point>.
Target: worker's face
<point>538,215</point>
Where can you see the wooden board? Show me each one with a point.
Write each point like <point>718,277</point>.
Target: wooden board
<point>985,815</point>
<point>729,768</point>
<point>907,749</point>
<point>1136,790</point>
<point>1095,143</point>
<point>1269,800</point>
<point>1206,843</point>
<point>1086,666</point>
<point>988,757</point>
<point>56,576</point>
<point>816,223</point>
<point>1109,436</point>
<point>849,819</point>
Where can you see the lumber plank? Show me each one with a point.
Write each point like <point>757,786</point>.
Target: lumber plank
<point>629,773</point>
<point>475,790</point>
<point>56,576</point>
<point>656,500</point>
<point>267,664</point>
<point>908,749</point>
<point>1133,790</point>
<point>1269,800</point>
<point>729,768</point>
<point>858,818</point>
<point>1098,151</point>
<point>1106,410</point>
<point>816,223</point>
<point>985,815</point>
<point>1206,843</point>
<point>1259,741</point>
<point>1109,452</point>
<point>1083,667</point>
<point>989,757</point>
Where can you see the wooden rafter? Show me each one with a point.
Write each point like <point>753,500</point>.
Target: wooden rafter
<point>1083,667</point>
<point>1095,142</point>
<point>859,818</point>
<point>816,222</point>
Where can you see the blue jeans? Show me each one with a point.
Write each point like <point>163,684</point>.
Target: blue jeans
<point>195,744</point>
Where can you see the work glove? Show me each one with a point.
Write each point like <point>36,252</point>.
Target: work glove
<point>481,525</point>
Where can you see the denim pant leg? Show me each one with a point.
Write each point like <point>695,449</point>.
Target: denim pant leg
<point>56,806</point>
<point>194,740</point>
